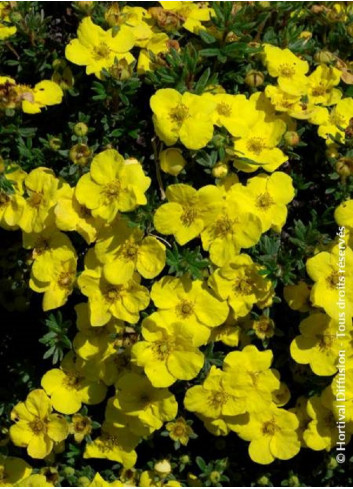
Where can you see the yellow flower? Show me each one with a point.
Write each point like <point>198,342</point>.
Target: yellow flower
<point>136,18</point>
<point>54,274</point>
<point>266,196</point>
<point>158,44</point>
<point>80,427</point>
<point>298,296</point>
<point>68,388</point>
<point>250,377</point>
<point>258,144</point>
<point>113,185</point>
<point>47,243</point>
<point>190,303</point>
<point>91,341</point>
<point>241,284</point>
<point>333,124</point>
<point>6,29</point>
<point>321,85</point>
<point>70,215</point>
<point>124,250</point>
<point>44,93</point>
<point>113,445</point>
<point>137,397</point>
<point>287,68</point>
<point>13,470</point>
<point>187,117</point>
<point>42,189</point>
<point>232,228</point>
<point>188,211</point>
<point>264,327</point>
<point>172,161</point>
<point>330,274</point>
<point>192,13</point>
<point>179,430</point>
<point>11,204</point>
<point>122,301</point>
<point>321,432</point>
<point>36,427</point>
<point>229,112</point>
<point>97,49</point>
<point>319,345</point>
<point>344,214</point>
<point>168,353</point>
<point>272,434</point>
<point>213,399</point>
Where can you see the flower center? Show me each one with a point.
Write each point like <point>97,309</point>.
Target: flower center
<point>112,189</point>
<point>179,430</point>
<point>162,349</point>
<point>326,342</point>
<point>113,294</point>
<point>184,309</point>
<point>217,398</point>
<point>35,199</point>
<point>264,201</point>
<point>65,280</point>
<point>319,91</point>
<point>130,251</point>
<point>255,145</point>
<point>188,216</point>
<point>286,70</point>
<point>223,226</point>
<point>38,426</point>
<point>101,51</point>
<point>72,380</point>
<point>333,280</point>
<point>179,113</point>
<point>269,427</point>
<point>337,119</point>
<point>243,285</point>
<point>224,109</point>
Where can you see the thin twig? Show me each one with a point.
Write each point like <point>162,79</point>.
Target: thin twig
<point>158,169</point>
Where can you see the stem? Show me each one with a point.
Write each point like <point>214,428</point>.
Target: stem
<point>158,169</point>
<point>12,49</point>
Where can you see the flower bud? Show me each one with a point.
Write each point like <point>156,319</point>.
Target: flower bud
<point>263,481</point>
<point>215,476</point>
<point>324,56</point>
<point>231,37</point>
<point>83,481</point>
<point>55,143</point>
<point>85,7</point>
<point>254,78</point>
<point>80,154</point>
<point>220,170</point>
<point>293,481</point>
<point>344,167</point>
<point>306,35</point>
<point>163,467</point>
<point>292,138</point>
<point>172,161</point>
<point>69,471</point>
<point>80,129</point>
<point>332,151</point>
<point>112,14</point>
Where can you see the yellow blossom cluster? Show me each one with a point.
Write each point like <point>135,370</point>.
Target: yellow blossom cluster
<point>141,333</point>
